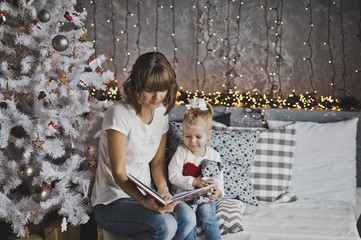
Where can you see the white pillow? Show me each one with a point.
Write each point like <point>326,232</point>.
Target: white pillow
<point>325,160</point>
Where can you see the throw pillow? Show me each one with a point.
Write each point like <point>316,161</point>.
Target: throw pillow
<point>237,150</point>
<point>229,214</point>
<point>324,160</point>
<point>271,173</point>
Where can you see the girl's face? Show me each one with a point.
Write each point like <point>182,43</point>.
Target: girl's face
<point>153,99</point>
<point>195,137</point>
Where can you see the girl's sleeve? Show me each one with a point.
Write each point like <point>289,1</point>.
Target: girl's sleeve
<point>175,172</point>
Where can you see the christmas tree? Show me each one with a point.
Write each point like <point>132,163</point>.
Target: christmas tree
<point>48,116</point>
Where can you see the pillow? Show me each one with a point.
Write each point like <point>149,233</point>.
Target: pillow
<point>324,160</point>
<point>229,215</point>
<point>174,139</point>
<point>271,173</point>
<point>237,150</point>
<point>223,118</point>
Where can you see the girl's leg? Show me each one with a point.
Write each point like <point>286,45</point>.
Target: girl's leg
<point>206,214</point>
<point>186,220</point>
<point>127,218</point>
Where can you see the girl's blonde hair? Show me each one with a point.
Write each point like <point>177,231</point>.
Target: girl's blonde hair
<point>151,71</point>
<point>192,116</point>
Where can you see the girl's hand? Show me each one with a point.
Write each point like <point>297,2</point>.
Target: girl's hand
<point>216,192</point>
<point>152,204</point>
<point>198,182</point>
<point>164,193</point>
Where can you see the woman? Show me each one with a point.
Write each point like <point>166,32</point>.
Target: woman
<point>133,141</point>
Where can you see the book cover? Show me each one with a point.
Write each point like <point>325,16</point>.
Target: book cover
<point>183,196</point>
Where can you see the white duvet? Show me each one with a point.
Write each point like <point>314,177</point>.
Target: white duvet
<point>300,220</point>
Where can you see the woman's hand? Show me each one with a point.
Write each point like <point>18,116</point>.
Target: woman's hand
<point>216,192</point>
<point>152,204</point>
<point>198,182</point>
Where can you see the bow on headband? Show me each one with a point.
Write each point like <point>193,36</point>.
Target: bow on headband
<point>197,103</point>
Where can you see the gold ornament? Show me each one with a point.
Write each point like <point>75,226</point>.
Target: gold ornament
<point>75,52</point>
<point>8,95</point>
<point>84,37</point>
<point>38,143</point>
<point>63,78</point>
<point>21,51</point>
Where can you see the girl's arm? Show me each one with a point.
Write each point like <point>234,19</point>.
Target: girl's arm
<point>117,155</point>
<point>158,168</point>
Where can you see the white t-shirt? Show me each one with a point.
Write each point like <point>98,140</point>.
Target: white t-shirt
<point>182,156</point>
<point>142,144</point>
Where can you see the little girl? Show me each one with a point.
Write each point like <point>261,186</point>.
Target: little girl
<point>184,168</point>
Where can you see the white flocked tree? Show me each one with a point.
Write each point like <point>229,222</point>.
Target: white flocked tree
<point>48,116</point>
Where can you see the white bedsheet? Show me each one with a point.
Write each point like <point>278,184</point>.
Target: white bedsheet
<point>300,220</point>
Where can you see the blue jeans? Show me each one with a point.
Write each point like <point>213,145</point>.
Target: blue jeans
<point>127,218</point>
<point>206,214</point>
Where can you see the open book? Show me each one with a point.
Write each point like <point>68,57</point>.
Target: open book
<point>179,196</point>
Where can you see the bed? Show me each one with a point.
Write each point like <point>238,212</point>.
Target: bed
<point>299,178</point>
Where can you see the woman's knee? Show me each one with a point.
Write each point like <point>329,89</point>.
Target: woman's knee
<point>166,226</point>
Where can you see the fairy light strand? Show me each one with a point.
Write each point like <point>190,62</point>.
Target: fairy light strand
<point>175,60</point>
<point>94,28</point>
<point>308,42</point>
<point>198,29</point>
<point>227,46</point>
<point>114,40</point>
<point>343,49</point>
<point>156,26</point>
<point>139,27</point>
<point>330,49</point>
<point>125,32</point>
<point>267,47</point>
<point>278,44</point>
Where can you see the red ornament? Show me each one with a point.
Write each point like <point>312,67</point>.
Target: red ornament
<point>36,23</point>
<point>52,124</point>
<point>99,70</point>
<point>190,169</point>
<point>67,16</point>
<point>91,59</point>
<point>42,95</point>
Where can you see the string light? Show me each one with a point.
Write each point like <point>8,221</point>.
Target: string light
<point>139,27</point>
<point>175,60</point>
<point>156,26</point>
<point>308,43</point>
<point>114,41</point>
<point>343,49</point>
<point>125,32</point>
<point>330,49</point>
<point>94,25</point>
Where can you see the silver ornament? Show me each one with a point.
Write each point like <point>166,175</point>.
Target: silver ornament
<point>60,43</point>
<point>41,194</point>
<point>26,171</point>
<point>44,16</point>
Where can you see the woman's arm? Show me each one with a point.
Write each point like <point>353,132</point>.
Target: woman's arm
<point>117,155</point>
<point>159,170</point>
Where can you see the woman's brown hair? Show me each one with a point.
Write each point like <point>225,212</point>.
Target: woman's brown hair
<point>151,71</point>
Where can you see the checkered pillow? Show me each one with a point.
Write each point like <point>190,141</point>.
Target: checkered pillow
<point>271,173</point>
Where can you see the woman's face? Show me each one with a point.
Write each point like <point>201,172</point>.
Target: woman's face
<point>153,99</point>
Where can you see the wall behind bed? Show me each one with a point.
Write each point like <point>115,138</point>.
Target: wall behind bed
<point>253,118</point>
<point>251,44</point>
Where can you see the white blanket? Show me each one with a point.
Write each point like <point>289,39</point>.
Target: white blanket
<point>300,220</point>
